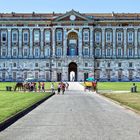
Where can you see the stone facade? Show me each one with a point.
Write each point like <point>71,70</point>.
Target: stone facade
<point>50,47</point>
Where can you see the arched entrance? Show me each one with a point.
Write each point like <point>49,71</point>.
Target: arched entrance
<point>72,75</point>
<point>72,44</point>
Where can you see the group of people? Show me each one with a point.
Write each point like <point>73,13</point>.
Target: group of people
<point>62,87</point>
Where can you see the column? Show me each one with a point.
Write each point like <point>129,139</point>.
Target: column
<point>80,42</point>
<point>136,43</point>
<point>9,43</point>
<point>53,40</point>
<point>91,42</point>
<point>114,42</point>
<point>64,42</point>
<point>125,42</point>
<point>20,43</point>
<point>42,43</point>
<point>103,42</point>
<point>31,43</point>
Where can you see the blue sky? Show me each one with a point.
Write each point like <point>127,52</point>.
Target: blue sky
<point>46,6</point>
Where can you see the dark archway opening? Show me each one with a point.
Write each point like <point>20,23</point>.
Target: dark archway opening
<point>72,75</point>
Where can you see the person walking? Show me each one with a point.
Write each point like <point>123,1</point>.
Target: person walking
<point>59,88</point>
<point>43,86</point>
<point>67,86</point>
<point>39,86</point>
<point>63,88</point>
<point>52,87</point>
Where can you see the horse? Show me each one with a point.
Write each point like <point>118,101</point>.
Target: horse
<point>19,86</point>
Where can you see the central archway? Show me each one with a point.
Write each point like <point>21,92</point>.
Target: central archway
<point>72,75</point>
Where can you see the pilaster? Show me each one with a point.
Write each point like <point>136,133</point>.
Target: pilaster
<point>20,43</point>
<point>114,42</point>
<point>80,42</point>
<point>136,43</point>
<point>103,42</point>
<point>125,42</point>
<point>42,43</point>
<point>91,42</point>
<point>53,41</point>
<point>9,43</point>
<point>65,42</point>
<point>31,43</point>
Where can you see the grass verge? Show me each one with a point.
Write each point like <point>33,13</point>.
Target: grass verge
<point>13,102</point>
<point>131,100</point>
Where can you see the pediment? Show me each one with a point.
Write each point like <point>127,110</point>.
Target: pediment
<point>72,16</point>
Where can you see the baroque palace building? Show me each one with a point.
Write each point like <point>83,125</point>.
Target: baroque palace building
<point>53,46</point>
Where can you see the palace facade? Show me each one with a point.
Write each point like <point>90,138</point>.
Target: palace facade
<point>55,46</point>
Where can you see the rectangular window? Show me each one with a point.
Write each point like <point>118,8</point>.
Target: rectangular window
<point>97,52</point>
<point>130,64</point>
<point>36,36</point>
<point>108,64</point>
<point>14,37</point>
<point>47,51</point>
<point>47,36</point>
<point>130,52</point>
<point>14,65</point>
<point>14,52</point>
<point>36,64</point>
<point>86,64</point>
<point>36,52</point>
<point>14,75</point>
<point>47,64</point>
<point>25,37</point>
<point>59,36</point>
<point>119,64</point>
<point>130,37</point>
<point>86,52</point>
<point>108,52</point>
<point>3,75</point>
<point>36,75</point>
<point>86,36</point>
<point>97,37</point>
<point>25,75</point>
<point>108,37</point>
<point>119,37</point>
<point>98,64</point>
<point>59,64</point>
<point>3,52</point>
<point>119,52</point>
<point>25,52</point>
<point>59,52</point>
<point>3,37</point>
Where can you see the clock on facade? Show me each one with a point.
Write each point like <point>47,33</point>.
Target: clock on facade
<point>72,17</point>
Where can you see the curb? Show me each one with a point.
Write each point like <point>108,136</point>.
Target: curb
<point>20,114</point>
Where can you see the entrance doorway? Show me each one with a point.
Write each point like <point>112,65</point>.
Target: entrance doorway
<point>72,75</point>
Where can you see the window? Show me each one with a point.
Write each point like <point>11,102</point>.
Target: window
<point>86,64</point>
<point>36,75</point>
<point>47,36</point>
<point>14,52</point>
<point>3,75</point>
<point>97,37</point>
<point>4,65</point>
<point>108,64</point>
<point>108,52</point>
<point>59,52</point>
<point>14,75</point>
<point>3,52</point>
<point>98,64</point>
<point>108,36</point>
<point>97,52</point>
<point>25,52</point>
<point>119,37</point>
<point>59,36</point>
<point>25,37</point>
<point>86,51</point>
<point>36,36</point>
<point>130,52</point>
<point>59,64</point>
<point>36,64</point>
<point>4,37</point>
<point>25,75</point>
<point>119,64</point>
<point>47,64</point>
<point>130,37</point>
<point>36,52</point>
<point>86,36</point>
<point>130,64</point>
<point>14,65</point>
<point>119,52</point>
<point>14,37</point>
<point>47,52</point>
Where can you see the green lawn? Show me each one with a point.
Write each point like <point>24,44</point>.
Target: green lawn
<point>117,86</point>
<point>129,99</point>
<point>13,102</point>
<point>12,84</point>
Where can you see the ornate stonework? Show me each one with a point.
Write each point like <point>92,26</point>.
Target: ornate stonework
<point>51,46</point>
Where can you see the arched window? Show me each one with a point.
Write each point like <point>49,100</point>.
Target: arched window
<point>97,37</point>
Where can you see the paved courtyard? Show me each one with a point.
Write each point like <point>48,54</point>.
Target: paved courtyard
<point>76,116</point>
